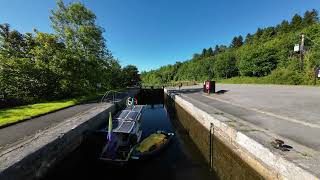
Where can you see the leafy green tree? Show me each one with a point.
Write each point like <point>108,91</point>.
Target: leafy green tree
<point>310,17</point>
<point>131,76</point>
<point>248,39</point>
<point>225,65</point>
<point>76,27</point>
<point>204,52</point>
<point>196,56</point>
<point>258,34</point>
<point>12,42</point>
<point>296,22</point>
<point>210,52</point>
<point>257,60</point>
<point>268,34</point>
<point>237,42</point>
<point>284,27</point>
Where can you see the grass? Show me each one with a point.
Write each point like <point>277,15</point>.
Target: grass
<point>16,114</point>
<point>245,80</point>
<point>241,80</point>
<point>261,80</point>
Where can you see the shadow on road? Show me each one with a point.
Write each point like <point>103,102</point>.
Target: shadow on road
<point>189,91</point>
<point>221,91</point>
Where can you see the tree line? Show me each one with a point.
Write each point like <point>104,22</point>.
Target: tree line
<point>267,53</point>
<point>71,62</point>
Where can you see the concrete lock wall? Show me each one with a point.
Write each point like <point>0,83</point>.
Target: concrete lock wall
<point>225,162</point>
<point>233,154</point>
<point>33,158</point>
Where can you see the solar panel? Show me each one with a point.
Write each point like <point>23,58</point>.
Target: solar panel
<point>137,108</point>
<point>132,116</point>
<point>125,127</point>
<point>123,114</point>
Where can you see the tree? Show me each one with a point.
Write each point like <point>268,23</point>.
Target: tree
<point>296,22</point>
<point>131,76</point>
<point>248,39</point>
<point>257,60</point>
<point>12,42</point>
<point>225,65</point>
<point>76,27</point>
<point>284,27</point>
<point>196,56</point>
<point>310,17</point>
<point>210,52</point>
<point>204,52</point>
<point>237,42</point>
<point>258,34</point>
<point>268,33</point>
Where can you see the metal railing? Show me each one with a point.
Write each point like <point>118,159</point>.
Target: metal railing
<point>111,96</point>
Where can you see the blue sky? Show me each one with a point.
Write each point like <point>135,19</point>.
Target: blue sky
<point>151,33</point>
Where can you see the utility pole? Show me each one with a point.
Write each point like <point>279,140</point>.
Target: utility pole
<point>316,74</point>
<point>301,52</point>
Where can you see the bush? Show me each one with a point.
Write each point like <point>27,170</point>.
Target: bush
<point>285,76</point>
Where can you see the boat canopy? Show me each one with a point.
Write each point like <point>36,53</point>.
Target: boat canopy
<point>125,127</point>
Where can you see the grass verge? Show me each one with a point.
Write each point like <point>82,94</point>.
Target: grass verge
<point>264,80</point>
<point>244,80</point>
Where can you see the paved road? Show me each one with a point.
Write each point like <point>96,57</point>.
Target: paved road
<point>18,132</point>
<point>292,112</point>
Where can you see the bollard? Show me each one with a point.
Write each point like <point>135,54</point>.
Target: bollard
<point>211,146</point>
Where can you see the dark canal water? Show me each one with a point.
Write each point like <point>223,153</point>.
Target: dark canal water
<point>181,160</point>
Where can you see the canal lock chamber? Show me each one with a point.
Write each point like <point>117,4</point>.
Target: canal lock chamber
<point>193,154</point>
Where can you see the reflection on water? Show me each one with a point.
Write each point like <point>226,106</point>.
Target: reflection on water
<point>181,160</point>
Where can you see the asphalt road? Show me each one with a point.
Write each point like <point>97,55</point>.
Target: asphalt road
<point>292,112</point>
<point>16,133</point>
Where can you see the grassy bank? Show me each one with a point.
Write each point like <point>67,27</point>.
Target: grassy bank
<point>16,114</point>
<point>262,80</point>
<point>245,80</point>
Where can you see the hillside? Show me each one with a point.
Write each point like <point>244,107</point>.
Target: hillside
<point>266,56</point>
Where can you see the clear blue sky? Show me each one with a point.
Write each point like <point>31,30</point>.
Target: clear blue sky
<point>151,33</point>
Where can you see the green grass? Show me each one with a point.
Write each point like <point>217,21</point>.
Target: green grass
<point>245,80</point>
<point>261,80</point>
<point>16,114</point>
<point>248,80</point>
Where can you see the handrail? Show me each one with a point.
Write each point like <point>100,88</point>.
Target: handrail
<point>113,95</point>
<point>106,95</point>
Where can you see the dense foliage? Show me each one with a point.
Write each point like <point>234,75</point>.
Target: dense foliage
<point>268,54</point>
<point>74,61</point>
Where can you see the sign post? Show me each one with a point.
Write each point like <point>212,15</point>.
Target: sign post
<point>316,75</point>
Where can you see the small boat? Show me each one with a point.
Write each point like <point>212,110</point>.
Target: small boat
<point>124,132</point>
<point>152,145</point>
